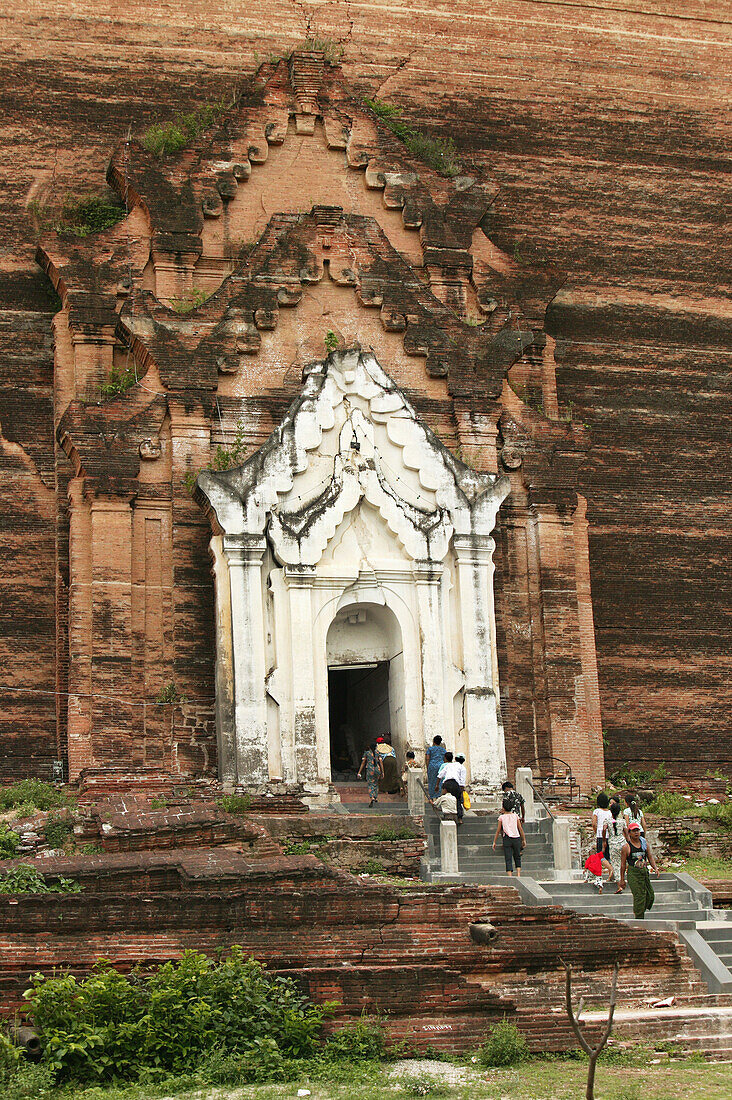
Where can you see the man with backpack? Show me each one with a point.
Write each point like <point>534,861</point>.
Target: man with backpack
<point>518,806</point>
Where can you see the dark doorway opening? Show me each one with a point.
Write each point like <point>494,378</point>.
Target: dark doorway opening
<point>358,711</point>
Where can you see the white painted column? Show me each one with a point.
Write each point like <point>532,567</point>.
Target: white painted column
<point>449,864</point>
<point>474,556</point>
<point>525,787</point>
<point>427,576</point>
<point>299,582</point>
<point>244,555</point>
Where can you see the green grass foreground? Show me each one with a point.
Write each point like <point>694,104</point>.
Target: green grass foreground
<point>537,1079</point>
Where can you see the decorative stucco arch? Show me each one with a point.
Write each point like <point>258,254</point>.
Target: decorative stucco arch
<point>351,502</point>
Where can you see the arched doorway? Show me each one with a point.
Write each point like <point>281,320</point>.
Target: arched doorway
<point>365,662</point>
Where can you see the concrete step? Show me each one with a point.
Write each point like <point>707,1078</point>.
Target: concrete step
<point>608,899</point>
<point>721,935</point>
<point>660,886</point>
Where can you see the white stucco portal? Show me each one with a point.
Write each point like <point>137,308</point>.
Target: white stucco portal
<point>352,504</point>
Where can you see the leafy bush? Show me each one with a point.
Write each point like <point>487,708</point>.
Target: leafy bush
<point>439,153</point>
<point>164,139</point>
<point>9,841</point>
<point>504,1046</point>
<point>359,1042</point>
<point>373,867</point>
<point>33,792</point>
<point>115,1025</point>
<point>9,1058</point>
<point>235,803</point>
<point>629,776</point>
<point>30,1083</point>
<point>25,879</point>
<point>262,1062</point>
<point>118,381</point>
<point>57,830</point>
<point>667,804</point>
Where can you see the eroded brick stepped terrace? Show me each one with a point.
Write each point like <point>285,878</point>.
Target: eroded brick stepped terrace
<point>441,961</point>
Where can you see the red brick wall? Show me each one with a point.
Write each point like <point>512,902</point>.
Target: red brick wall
<point>604,132</point>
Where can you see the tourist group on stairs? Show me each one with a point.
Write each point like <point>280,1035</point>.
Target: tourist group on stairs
<point>622,849</point>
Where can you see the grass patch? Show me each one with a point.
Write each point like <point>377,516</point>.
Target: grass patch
<point>35,793</point>
<point>331,50</point>
<point>710,867</point>
<point>78,215</point>
<point>537,1079</point>
<point>670,804</point>
<point>439,153</point>
<point>165,139</point>
<point>192,300</point>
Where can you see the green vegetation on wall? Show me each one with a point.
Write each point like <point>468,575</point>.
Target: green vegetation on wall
<point>439,153</point>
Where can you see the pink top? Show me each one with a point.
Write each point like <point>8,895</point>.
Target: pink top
<point>510,824</point>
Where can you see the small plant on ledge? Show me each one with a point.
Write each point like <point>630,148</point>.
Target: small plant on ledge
<point>169,694</point>
<point>78,215</point>
<point>25,879</point>
<point>439,153</point>
<point>164,139</point>
<point>118,382</point>
<point>191,301</point>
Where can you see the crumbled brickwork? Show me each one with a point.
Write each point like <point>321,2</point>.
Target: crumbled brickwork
<point>363,944</point>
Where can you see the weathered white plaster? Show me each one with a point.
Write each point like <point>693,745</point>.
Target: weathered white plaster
<point>352,536</point>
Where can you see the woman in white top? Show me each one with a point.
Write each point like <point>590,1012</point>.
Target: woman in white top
<point>633,813</point>
<point>600,818</point>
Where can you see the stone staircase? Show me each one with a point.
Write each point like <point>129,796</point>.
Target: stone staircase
<point>718,935</point>
<point>674,900</point>
<point>477,861</point>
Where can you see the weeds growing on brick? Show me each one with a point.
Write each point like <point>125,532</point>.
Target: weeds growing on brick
<point>165,139</point>
<point>195,298</point>
<point>33,792</point>
<point>25,879</point>
<point>118,381</point>
<point>9,841</point>
<point>78,215</point>
<point>235,803</point>
<point>439,153</point>
<point>57,829</point>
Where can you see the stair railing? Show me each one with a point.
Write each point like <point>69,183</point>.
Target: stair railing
<point>540,796</point>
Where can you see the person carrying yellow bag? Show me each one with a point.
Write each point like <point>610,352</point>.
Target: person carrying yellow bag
<point>462,778</point>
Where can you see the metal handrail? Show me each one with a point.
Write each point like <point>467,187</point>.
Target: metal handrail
<point>541,798</point>
<point>568,777</point>
<point>428,800</point>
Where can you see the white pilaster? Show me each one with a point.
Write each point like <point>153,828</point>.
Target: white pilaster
<point>312,754</point>
<point>427,576</point>
<point>474,556</point>
<point>244,555</point>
